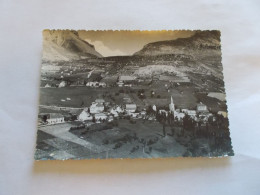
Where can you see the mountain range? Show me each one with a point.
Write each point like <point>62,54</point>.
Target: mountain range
<point>202,43</point>
<point>65,45</point>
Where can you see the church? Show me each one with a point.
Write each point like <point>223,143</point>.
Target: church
<point>171,106</point>
<point>177,114</point>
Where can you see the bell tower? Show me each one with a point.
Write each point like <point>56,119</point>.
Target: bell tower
<point>171,106</point>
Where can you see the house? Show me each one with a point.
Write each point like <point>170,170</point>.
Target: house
<point>96,84</point>
<point>143,113</point>
<point>100,101</point>
<point>91,84</point>
<point>205,116</point>
<point>130,108</point>
<point>62,84</point>
<point>119,109</point>
<point>202,107</point>
<point>102,84</point>
<point>84,116</point>
<point>191,113</point>
<point>114,112</point>
<point>163,112</point>
<point>96,108</point>
<point>100,116</point>
<point>223,113</point>
<point>47,85</point>
<point>179,115</point>
<point>55,118</point>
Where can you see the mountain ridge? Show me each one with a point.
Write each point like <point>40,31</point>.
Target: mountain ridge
<point>60,45</point>
<point>196,44</point>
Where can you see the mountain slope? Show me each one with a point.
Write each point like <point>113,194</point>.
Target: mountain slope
<point>65,45</point>
<point>203,49</point>
<point>201,43</point>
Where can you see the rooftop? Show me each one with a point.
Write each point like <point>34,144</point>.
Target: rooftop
<point>55,115</point>
<point>99,100</point>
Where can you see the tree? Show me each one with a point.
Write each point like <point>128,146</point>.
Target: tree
<point>44,118</point>
<point>93,119</point>
<point>164,132</point>
<point>150,110</point>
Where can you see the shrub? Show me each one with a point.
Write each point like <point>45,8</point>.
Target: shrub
<point>118,145</point>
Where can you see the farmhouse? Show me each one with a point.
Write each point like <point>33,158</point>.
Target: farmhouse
<point>119,109</point>
<point>55,118</point>
<point>102,84</point>
<point>102,101</point>
<point>116,110</point>
<point>96,84</point>
<point>130,108</point>
<point>100,116</point>
<point>62,84</point>
<point>202,107</point>
<point>179,115</point>
<point>205,116</point>
<point>84,115</point>
<point>47,85</point>
<point>191,113</point>
<point>96,108</point>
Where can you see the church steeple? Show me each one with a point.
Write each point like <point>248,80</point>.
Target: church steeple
<point>171,106</point>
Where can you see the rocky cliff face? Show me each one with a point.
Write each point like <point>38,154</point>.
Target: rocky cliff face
<point>65,45</point>
<point>202,43</point>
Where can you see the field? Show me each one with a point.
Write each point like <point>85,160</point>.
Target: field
<point>80,97</point>
<point>142,139</point>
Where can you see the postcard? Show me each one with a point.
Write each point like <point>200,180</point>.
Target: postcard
<point>132,94</point>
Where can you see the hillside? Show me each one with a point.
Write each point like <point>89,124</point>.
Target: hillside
<point>60,45</point>
<point>203,48</point>
<point>202,43</point>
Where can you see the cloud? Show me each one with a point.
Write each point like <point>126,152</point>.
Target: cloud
<point>104,50</point>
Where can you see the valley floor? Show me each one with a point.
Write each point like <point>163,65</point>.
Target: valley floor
<point>143,139</point>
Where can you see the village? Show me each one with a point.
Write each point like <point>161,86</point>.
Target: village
<point>100,110</point>
<point>129,119</point>
<point>149,104</point>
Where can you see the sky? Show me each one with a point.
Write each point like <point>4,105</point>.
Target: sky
<point>119,43</point>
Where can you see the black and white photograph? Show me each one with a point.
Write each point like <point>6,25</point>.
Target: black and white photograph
<point>119,97</point>
<point>132,94</point>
